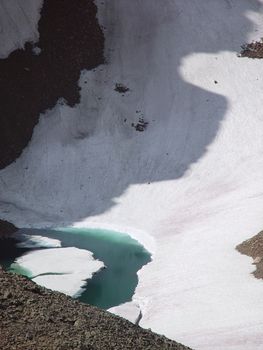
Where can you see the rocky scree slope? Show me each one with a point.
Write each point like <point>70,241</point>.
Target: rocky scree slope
<point>32,317</point>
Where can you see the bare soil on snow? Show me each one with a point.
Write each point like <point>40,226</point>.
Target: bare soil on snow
<point>252,50</point>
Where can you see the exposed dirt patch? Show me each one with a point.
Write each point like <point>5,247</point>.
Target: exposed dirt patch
<point>254,247</point>
<point>121,88</point>
<point>32,80</point>
<point>34,318</point>
<point>6,229</point>
<point>141,125</point>
<point>252,50</point>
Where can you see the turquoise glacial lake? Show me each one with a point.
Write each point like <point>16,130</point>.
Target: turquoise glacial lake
<point>122,256</point>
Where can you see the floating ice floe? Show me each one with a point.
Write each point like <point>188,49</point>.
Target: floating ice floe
<point>36,241</point>
<point>62,269</point>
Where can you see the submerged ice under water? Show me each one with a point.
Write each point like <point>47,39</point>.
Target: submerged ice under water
<point>122,256</point>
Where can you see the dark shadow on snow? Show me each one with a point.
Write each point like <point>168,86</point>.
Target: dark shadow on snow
<point>34,79</point>
<point>55,72</point>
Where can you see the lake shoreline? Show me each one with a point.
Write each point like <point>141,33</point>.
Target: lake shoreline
<point>62,259</point>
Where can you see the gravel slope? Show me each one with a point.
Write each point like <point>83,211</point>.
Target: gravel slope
<point>32,317</point>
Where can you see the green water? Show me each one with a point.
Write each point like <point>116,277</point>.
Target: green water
<point>122,256</point>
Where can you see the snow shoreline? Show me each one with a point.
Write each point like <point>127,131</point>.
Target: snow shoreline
<point>56,272</point>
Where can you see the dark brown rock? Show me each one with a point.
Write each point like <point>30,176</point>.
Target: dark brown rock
<point>254,247</point>
<point>6,229</point>
<point>252,50</point>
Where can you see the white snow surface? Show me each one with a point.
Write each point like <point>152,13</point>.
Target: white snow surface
<point>18,24</point>
<point>130,310</point>
<point>62,269</point>
<point>36,241</point>
<point>192,181</point>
